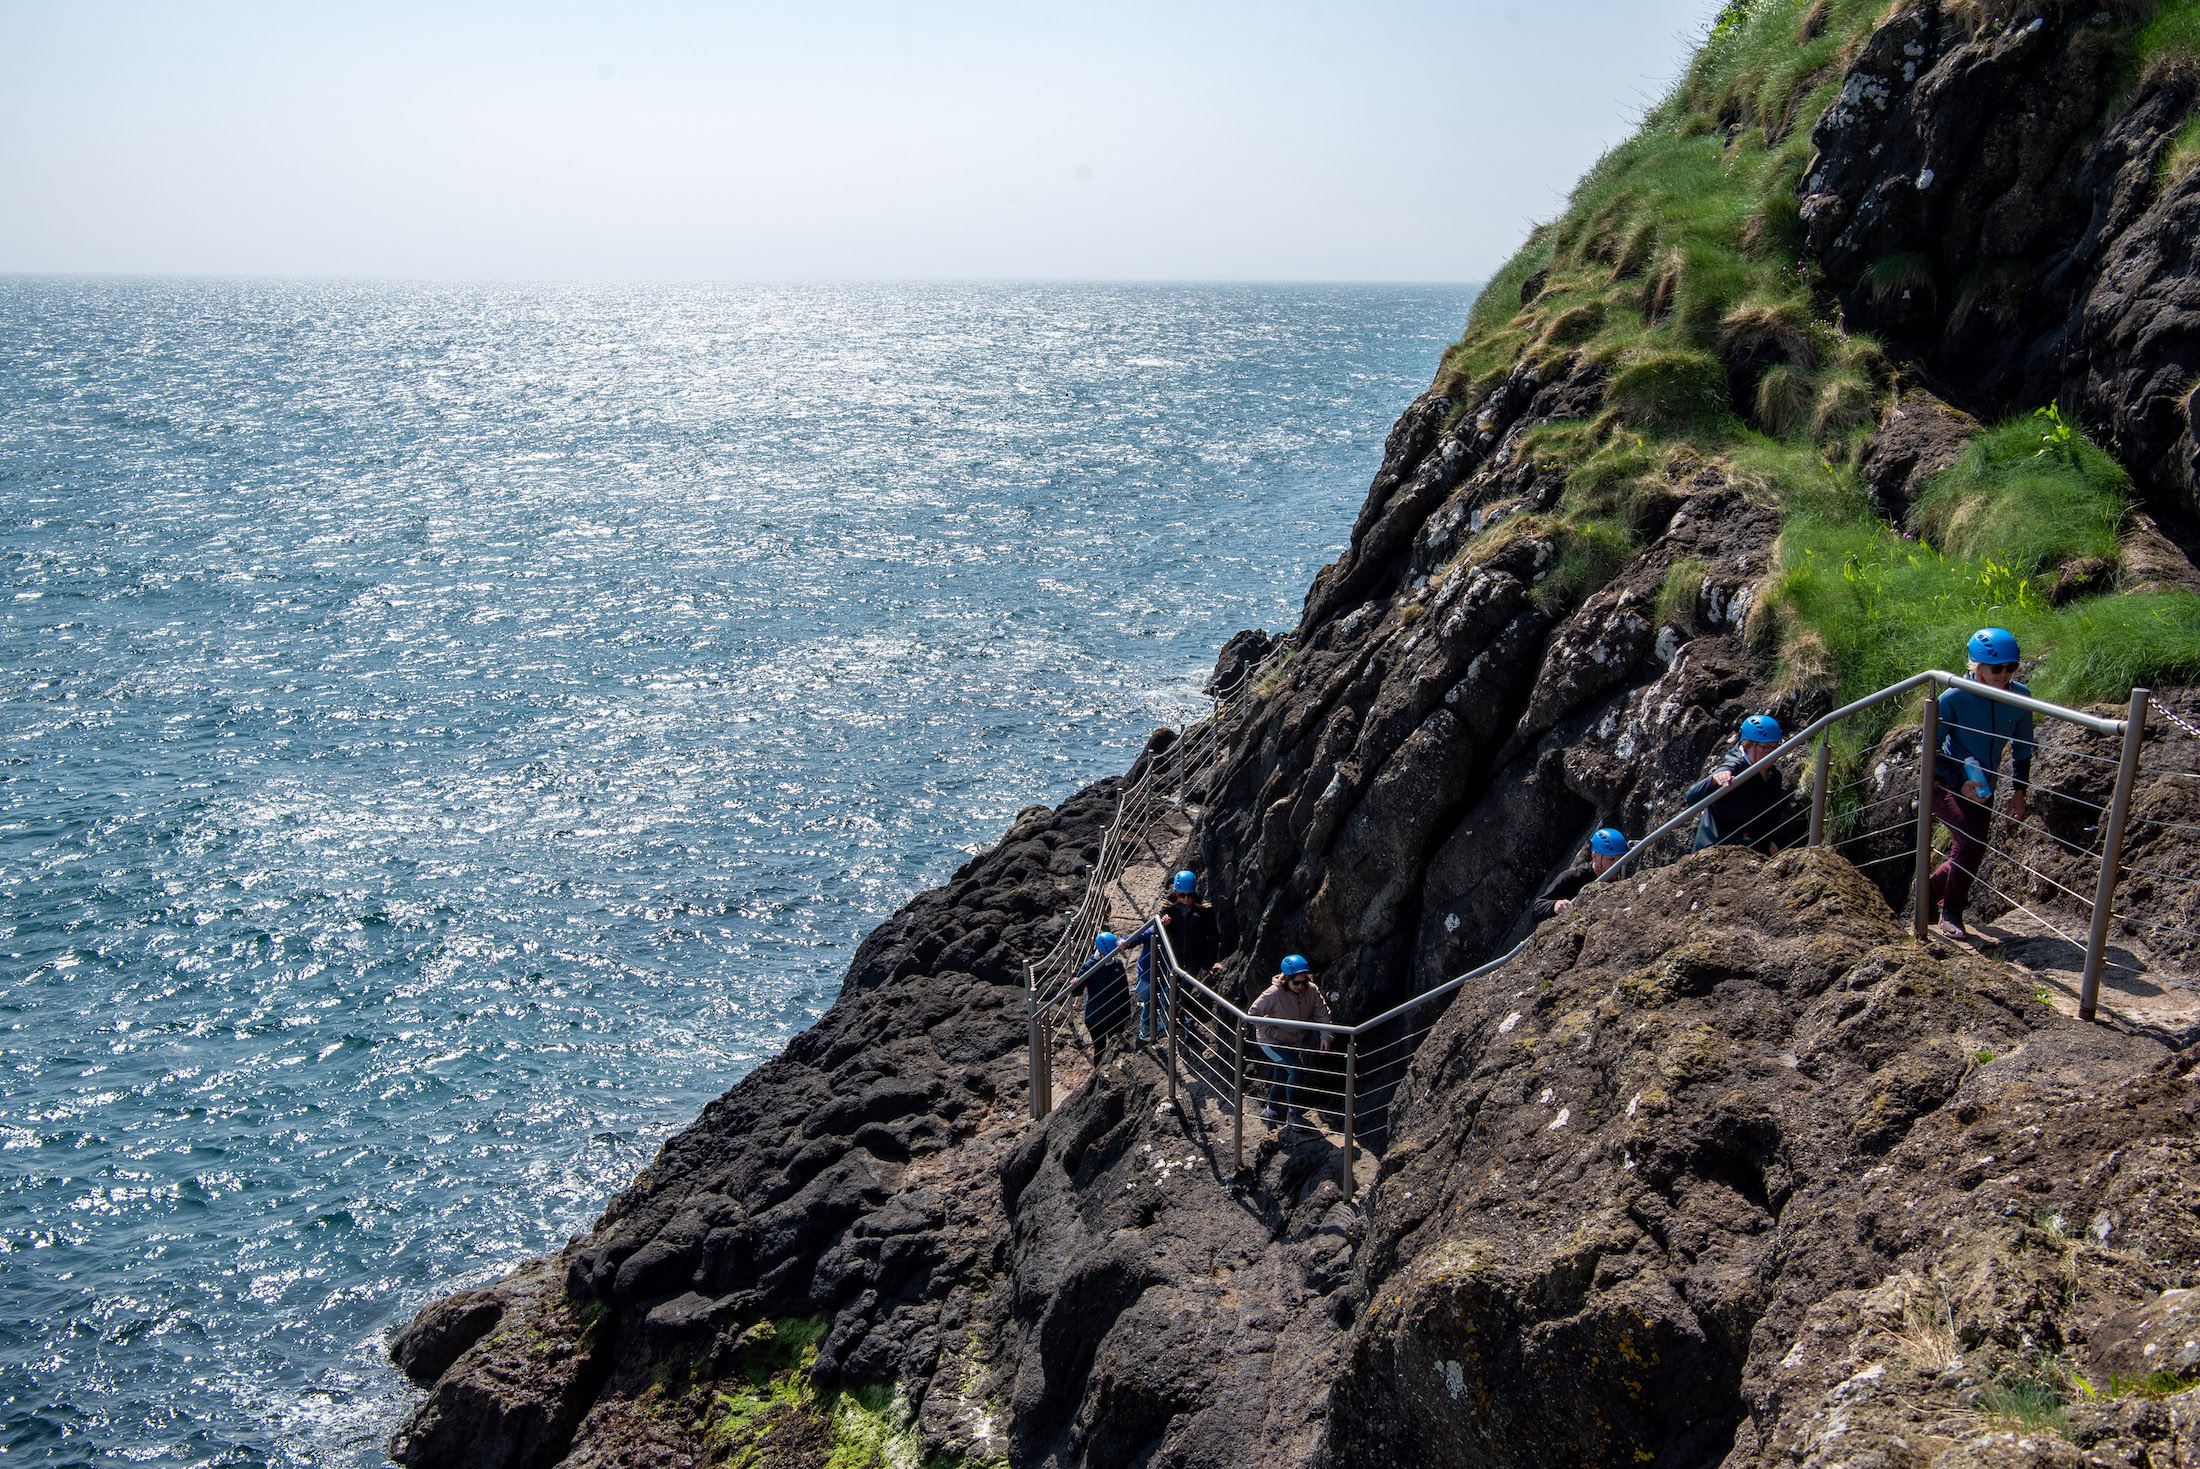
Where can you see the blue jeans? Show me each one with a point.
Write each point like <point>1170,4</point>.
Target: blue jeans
<point>1288,1062</point>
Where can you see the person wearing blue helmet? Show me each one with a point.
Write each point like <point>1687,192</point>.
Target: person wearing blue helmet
<point>1974,730</point>
<point>1193,938</point>
<point>1607,846</point>
<point>1289,1001</point>
<point>1752,791</point>
<point>1107,992</point>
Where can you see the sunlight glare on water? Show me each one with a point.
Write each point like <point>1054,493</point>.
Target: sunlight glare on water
<point>454,732</point>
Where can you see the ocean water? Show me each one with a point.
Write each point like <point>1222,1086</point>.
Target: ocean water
<point>452,732</point>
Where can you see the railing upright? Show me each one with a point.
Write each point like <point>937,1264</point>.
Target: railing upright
<point>1237,1112</point>
<point>1031,1039</point>
<point>1819,773</point>
<point>1922,883</point>
<point>2112,853</point>
<point>1351,1090</point>
<point>1166,962</point>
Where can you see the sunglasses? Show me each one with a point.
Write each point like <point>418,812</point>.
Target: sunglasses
<point>1999,667</point>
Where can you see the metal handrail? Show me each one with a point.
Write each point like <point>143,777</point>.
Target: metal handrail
<point>1161,956</point>
<point>1817,726</point>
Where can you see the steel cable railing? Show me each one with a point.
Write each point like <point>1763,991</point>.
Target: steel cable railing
<point>1214,1046</point>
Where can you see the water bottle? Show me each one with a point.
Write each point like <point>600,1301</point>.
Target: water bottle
<point>1979,792</point>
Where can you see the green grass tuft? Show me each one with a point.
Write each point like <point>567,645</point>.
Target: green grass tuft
<point>1678,592</point>
<point>869,1427</point>
<point>2027,496</point>
<point>1887,607</point>
<point>2172,32</point>
<point>1674,391</point>
<point>2151,1385</point>
<point>2025,1402</point>
<point>1589,555</point>
<point>1900,275</point>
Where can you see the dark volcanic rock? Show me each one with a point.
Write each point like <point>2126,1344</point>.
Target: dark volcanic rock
<point>1918,437</point>
<point>511,1399</point>
<point>2160,1335</point>
<point>850,1177</point>
<point>1646,1181</point>
<point>1163,1312</point>
<point>1952,179</point>
<point>424,1349</point>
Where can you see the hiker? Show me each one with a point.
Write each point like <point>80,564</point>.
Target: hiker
<point>1290,996</point>
<point>1607,846</point>
<point>1742,816</point>
<point>1966,768</point>
<point>1107,992</point>
<point>1193,938</point>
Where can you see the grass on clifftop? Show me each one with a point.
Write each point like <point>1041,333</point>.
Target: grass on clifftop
<point>1677,268</point>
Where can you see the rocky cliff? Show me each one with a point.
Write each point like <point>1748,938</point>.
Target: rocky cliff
<point>1724,1168</point>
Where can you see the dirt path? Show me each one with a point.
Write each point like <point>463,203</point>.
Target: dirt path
<point>2136,993</point>
<point>1136,895</point>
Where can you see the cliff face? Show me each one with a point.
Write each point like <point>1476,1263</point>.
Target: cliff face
<point>1725,1169</point>
<point>2044,256</point>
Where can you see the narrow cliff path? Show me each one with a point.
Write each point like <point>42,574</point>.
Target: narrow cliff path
<point>2143,995</point>
<point>1133,897</point>
<point>1137,892</point>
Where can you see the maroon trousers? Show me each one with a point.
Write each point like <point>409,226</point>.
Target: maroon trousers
<point>1968,822</point>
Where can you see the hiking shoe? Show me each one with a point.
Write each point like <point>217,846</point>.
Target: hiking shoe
<point>1952,929</point>
<point>1270,1114</point>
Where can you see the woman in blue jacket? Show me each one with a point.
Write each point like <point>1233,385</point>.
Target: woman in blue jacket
<point>1967,767</point>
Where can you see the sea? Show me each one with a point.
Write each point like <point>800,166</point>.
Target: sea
<point>453,731</point>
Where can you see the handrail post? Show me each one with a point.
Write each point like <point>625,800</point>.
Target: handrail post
<point>1237,1113</point>
<point>1038,1096</point>
<point>1927,752</point>
<point>1818,789</point>
<point>1351,1082</point>
<point>2112,853</point>
<point>1175,1011</point>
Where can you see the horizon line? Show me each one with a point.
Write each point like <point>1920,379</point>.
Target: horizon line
<point>661,280</point>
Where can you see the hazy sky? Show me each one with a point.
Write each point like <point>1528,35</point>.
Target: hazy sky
<point>1374,141</point>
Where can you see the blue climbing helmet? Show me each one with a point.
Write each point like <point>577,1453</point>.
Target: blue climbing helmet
<point>1761,729</point>
<point>1186,881</point>
<point>1295,964</point>
<point>1103,942</point>
<point>1993,645</point>
<point>1609,841</point>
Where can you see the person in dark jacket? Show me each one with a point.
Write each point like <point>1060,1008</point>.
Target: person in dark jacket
<point>1605,848</point>
<point>1107,992</point>
<point>1195,940</point>
<point>1974,729</point>
<point>1745,815</point>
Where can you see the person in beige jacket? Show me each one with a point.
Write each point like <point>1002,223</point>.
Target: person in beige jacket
<point>1290,996</point>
